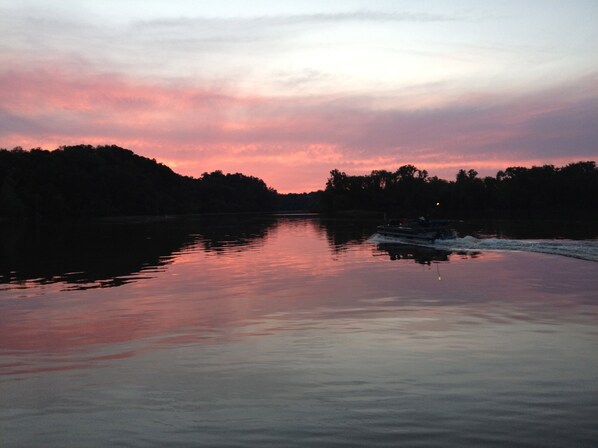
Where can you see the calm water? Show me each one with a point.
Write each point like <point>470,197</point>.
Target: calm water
<point>288,331</point>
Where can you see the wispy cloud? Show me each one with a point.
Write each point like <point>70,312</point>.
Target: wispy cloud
<point>228,49</point>
<point>298,19</point>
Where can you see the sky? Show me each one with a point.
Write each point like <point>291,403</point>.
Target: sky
<point>288,90</point>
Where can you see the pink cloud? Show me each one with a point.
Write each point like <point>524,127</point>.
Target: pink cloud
<point>293,142</point>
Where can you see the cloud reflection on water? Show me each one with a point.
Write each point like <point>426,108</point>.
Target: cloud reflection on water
<point>215,282</point>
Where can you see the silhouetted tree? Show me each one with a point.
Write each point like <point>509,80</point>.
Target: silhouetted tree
<point>516,190</point>
<point>84,180</point>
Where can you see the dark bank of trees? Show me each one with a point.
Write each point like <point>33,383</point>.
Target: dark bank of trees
<point>85,180</point>
<point>300,202</point>
<point>540,190</point>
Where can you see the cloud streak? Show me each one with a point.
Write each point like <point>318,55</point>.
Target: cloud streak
<point>266,21</point>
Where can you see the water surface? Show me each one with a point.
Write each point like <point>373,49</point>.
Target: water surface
<point>288,331</point>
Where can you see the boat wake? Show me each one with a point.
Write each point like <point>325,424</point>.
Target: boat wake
<point>582,249</point>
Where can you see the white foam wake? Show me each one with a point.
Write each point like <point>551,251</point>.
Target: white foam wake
<point>583,249</point>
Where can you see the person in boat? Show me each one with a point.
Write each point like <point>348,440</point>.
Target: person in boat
<point>423,221</point>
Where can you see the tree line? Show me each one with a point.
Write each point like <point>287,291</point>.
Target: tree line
<point>543,190</point>
<point>84,180</point>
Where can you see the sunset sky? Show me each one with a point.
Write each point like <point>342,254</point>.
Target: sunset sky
<point>288,90</point>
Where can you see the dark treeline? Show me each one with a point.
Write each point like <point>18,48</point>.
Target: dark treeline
<point>544,190</point>
<point>85,180</point>
<point>304,202</point>
<point>99,181</point>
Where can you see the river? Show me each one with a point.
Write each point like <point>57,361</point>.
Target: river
<point>248,330</point>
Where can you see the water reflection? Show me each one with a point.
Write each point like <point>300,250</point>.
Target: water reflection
<point>220,233</point>
<point>99,254</point>
<point>88,254</point>
<point>418,254</point>
<point>291,327</point>
<point>341,233</point>
<point>83,255</point>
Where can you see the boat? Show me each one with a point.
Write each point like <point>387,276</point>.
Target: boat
<point>418,230</point>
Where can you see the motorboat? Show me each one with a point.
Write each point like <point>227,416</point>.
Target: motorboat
<point>421,230</point>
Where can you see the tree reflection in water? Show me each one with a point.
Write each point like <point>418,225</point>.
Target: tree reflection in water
<point>98,254</point>
<point>94,254</point>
